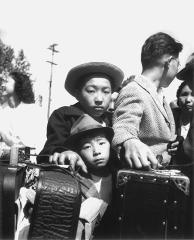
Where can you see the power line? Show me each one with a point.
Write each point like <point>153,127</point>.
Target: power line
<point>53,50</point>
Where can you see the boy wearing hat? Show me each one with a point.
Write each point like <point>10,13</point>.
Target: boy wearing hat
<point>143,122</point>
<point>91,84</point>
<point>92,142</point>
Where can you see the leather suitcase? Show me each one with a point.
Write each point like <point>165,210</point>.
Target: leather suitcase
<point>11,180</point>
<point>152,204</point>
<point>57,205</point>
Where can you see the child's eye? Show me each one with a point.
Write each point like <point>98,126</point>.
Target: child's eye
<point>102,142</point>
<point>90,90</point>
<point>86,146</point>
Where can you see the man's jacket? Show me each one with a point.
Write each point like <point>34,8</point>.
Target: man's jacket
<point>59,127</point>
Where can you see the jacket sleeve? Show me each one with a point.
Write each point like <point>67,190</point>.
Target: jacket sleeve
<point>58,129</point>
<point>128,114</point>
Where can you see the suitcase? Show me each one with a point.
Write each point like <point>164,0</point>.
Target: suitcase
<point>11,180</point>
<point>152,204</point>
<point>57,205</point>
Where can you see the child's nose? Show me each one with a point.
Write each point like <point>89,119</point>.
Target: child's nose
<point>98,99</point>
<point>96,150</point>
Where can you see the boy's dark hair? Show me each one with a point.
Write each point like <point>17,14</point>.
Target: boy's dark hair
<point>23,87</point>
<point>156,46</point>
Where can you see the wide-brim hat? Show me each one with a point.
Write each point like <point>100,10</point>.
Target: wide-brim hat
<point>187,72</point>
<point>85,126</point>
<point>78,73</point>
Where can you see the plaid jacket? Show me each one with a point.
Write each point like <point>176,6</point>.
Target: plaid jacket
<point>139,114</point>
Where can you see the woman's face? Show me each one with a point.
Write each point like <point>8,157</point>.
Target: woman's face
<point>186,99</point>
<point>8,86</point>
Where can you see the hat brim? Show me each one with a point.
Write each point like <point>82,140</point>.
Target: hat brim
<point>73,140</point>
<point>185,74</point>
<point>114,73</point>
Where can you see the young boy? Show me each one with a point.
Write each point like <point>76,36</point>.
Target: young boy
<point>91,84</point>
<point>92,142</point>
<point>143,122</point>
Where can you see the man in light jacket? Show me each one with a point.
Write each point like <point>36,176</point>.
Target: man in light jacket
<point>143,121</point>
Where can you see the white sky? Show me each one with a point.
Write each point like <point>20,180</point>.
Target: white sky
<point>91,30</point>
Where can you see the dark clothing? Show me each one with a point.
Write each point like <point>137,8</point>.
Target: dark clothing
<point>58,130</point>
<point>184,163</point>
<point>59,127</point>
<point>180,157</point>
<point>177,113</point>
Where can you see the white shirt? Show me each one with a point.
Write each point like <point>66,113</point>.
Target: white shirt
<point>103,186</point>
<point>185,129</point>
<point>24,124</point>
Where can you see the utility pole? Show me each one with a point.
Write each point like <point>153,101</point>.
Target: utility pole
<point>53,50</point>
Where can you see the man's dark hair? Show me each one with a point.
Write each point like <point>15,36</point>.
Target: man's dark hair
<point>156,46</point>
<point>23,87</point>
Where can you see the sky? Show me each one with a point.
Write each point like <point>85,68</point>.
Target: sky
<point>91,30</point>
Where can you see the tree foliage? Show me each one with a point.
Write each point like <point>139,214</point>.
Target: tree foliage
<point>11,62</point>
<point>21,63</point>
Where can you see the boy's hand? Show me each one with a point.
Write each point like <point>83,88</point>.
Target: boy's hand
<point>68,157</point>
<point>138,155</point>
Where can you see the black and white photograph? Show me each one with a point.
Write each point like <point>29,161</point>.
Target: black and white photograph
<point>96,119</point>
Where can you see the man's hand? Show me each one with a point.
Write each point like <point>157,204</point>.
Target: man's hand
<point>138,155</point>
<point>68,157</point>
<point>173,146</point>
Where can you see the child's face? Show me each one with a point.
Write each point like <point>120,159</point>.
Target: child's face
<point>186,99</point>
<point>95,151</point>
<point>95,96</point>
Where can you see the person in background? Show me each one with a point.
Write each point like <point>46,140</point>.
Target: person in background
<point>183,114</point>
<point>143,122</point>
<point>20,121</point>
<point>185,98</point>
<point>185,153</point>
<point>92,85</point>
